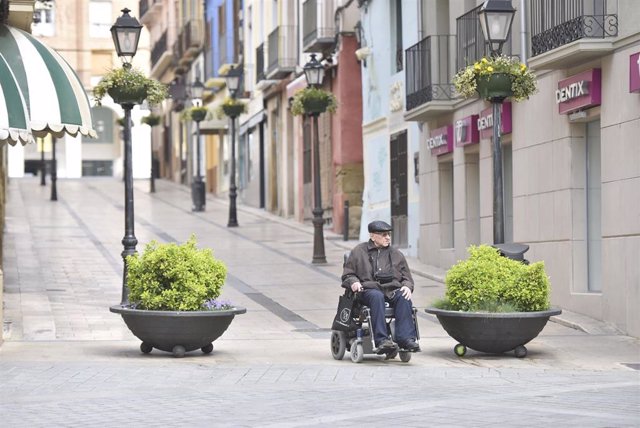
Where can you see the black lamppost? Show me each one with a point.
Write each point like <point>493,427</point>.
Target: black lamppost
<point>233,78</point>
<point>314,73</point>
<point>43,164</point>
<point>126,34</point>
<point>496,17</point>
<point>54,170</point>
<point>197,186</point>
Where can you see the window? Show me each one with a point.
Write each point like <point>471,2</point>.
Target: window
<point>100,20</point>
<point>397,51</point>
<point>44,23</point>
<point>446,204</point>
<point>306,150</point>
<point>593,207</point>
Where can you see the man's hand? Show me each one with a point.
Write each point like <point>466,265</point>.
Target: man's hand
<point>406,292</point>
<point>356,286</point>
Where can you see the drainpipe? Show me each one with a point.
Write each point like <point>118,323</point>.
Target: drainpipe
<point>523,32</point>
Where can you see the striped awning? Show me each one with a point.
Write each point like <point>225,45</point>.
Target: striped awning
<point>55,100</point>
<point>14,116</point>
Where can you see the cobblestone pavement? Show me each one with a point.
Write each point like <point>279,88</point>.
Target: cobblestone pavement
<point>68,361</point>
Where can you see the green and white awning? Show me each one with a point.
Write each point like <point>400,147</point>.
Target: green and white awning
<point>14,116</point>
<point>54,97</point>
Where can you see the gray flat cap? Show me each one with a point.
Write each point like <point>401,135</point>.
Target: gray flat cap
<point>379,226</point>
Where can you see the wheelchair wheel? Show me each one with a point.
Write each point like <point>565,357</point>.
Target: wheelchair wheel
<point>391,355</point>
<point>405,356</point>
<point>460,350</point>
<point>357,353</point>
<point>338,344</point>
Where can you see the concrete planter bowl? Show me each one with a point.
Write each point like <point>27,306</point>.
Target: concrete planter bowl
<point>493,333</point>
<point>177,332</point>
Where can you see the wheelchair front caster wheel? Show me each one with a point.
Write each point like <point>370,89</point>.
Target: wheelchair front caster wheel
<point>145,347</point>
<point>338,344</point>
<point>207,348</point>
<point>405,356</point>
<point>178,351</point>
<point>460,350</point>
<point>391,355</point>
<point>520,351</point>
<point>357,353</point>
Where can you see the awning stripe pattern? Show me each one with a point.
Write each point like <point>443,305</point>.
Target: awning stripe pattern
<point>14,117</point>
<point>55,98</point>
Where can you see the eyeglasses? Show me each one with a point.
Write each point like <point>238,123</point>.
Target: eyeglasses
<point>383,234</point>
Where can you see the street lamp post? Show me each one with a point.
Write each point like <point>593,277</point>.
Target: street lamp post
<point>496,17</point>
<point>197,186</point>
<point>126,34</point>
<point>233,79</point>
<point>43,164</point>
<point>314,73</point>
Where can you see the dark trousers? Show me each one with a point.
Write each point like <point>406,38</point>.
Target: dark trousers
<point>404,328</point>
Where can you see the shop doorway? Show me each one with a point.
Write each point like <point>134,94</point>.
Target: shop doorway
<point>399,188</point>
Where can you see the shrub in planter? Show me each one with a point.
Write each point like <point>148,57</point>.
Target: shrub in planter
<point>175,277</point>
<point>486,281</point>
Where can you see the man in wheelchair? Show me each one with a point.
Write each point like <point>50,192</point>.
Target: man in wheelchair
<point>379,273</point>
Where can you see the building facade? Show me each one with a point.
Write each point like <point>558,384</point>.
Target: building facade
<point>569,152</point>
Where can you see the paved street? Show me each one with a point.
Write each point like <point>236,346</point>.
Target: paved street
<point>68,361</point>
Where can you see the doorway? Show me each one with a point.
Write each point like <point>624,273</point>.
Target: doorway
<point>399,188</point>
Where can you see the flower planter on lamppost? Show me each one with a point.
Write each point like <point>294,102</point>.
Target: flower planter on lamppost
<point>313,101</point>
<point>198,113</point>
<point>233,110</point>
<point>128,87</point>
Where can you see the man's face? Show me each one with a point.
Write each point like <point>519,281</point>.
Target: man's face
<point>381,239</point>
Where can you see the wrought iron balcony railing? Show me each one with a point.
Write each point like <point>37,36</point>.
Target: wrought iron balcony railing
<point>318,25</point>
<point>159,48</point>
<point>260,71</point>
<point>471,43</point>
<point>557,23</point>
<point>144,6</point>
<point>428,71</point>
<point>282,52</point>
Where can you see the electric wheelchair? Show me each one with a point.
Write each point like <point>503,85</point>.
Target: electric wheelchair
<point>359,339</point>
<point>360,342</point>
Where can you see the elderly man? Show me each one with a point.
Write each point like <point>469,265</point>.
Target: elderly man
<point>379,273</point>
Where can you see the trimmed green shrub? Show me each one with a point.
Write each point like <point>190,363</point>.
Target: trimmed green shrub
<point>173,277</point>
<point>488,282</point>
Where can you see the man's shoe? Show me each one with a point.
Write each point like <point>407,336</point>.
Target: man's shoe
<point>386,346</point>
<point>411,346</point>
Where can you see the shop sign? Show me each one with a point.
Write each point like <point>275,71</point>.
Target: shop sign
<point>579,92</point>
<point>466,131</point>
<point>485,121</point>
<point>634,72</point>
<point>440,140</point>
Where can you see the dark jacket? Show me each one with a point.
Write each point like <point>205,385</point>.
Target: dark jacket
<point>365,257</point>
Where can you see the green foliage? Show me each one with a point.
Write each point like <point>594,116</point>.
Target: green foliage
<point>311,94</point>
<point>231,106</point>
<point>174,277</point>
<point>194,112</point>
<point>133,80</point>
<point>151,120</point>
<point>489,282</point>
<point>524,82</point>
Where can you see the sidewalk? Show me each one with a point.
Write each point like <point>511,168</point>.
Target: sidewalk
<point>68,361</point>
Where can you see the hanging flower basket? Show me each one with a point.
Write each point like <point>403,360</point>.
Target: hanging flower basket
<point>232,108</point>
<point>151,120</point>
<point>313,101</point>
<point>198,113</point>
<point>129,86</point>
<point>495,86</point>
<point>127,95</point>
<point>496,78</point>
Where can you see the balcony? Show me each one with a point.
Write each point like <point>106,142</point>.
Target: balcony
<point>471,45</point>
<point>190,42</point>
<point>260,71</point>
<point>282,52</point>
<point>428,72</point>
<point>161,57</point>
<point>149,11</point>
<point>318,25</point>
<point>566,33</point>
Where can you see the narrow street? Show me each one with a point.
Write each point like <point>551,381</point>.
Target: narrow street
<point>68,361</point>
